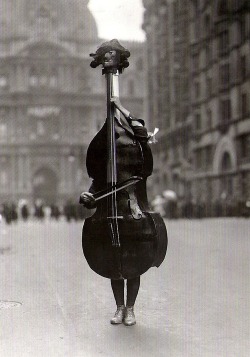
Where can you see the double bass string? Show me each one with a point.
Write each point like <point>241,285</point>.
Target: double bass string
<point>114,168</point>
<point>112,203</point>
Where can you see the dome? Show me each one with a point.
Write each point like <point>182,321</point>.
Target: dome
<point>67,20</point>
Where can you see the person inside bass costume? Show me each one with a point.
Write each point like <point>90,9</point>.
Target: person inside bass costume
<point>96,168</point>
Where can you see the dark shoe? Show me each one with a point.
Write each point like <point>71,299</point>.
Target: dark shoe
<point>129,318</point>
<point>119,315</point>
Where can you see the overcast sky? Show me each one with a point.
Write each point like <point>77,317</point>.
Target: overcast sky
<point>121,19</point>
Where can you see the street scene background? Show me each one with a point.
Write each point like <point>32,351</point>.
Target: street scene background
<point>188,79</point>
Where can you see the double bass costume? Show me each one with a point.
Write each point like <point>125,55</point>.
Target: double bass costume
<point>123,238</point>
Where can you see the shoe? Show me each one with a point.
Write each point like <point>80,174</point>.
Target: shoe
<point>119,315</point>
<point>129,318</point>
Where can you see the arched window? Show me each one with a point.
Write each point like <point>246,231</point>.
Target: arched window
<point>226,162</point>
<point>227,180</point>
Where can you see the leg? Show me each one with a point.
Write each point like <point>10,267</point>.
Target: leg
<point>118,291</point>
<point>133,286</point>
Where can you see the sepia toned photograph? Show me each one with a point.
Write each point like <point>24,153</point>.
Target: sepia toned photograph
<point>124,178</point>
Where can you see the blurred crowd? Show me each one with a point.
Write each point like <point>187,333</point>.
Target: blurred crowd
<point>173,208</point>
<point>70,211</point>
<point>166,204</point>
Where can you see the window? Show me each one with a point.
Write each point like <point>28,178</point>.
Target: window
<point>33,81</point>
<point>3,81</point>
<point>224,75</point>
<point>196,90</point>
<point>43,78</point>
<point>209,86</point>
<point>184,112</point>
<point>195,62</point>
<point>198,159</point>
<point>222,8</point>
<point>204,157</point>
<point>243,29</point>
<point>185,148</point>
<point>53,81</point>
<point>177,87</point>
<point>3,177</point>
<point>208,50</point>
<point>244,146</point>
<point>244,185</point>
<point>197,26</point>
<point>40,128</point>
<point>243,68</point>
<point>207,24</point>
<point>223,43</point>
<point>197,121</point>
<point>226,182</point>
<point>208,156</point>
<point>244,105</point>
<point>225,110</point>
<point>226,162</point>
<point>209,119</point>
<point>3,132</point>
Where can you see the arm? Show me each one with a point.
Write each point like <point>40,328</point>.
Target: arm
<point>119,106</point>
<point>132,121</point>
<point>87,199</point>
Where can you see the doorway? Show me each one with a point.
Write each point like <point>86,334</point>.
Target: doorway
<point>45,185</point>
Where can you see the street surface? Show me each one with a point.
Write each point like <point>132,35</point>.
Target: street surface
<point>197,304</point>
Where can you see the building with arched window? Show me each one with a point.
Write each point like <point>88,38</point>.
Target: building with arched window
<point>198,95</point>
<point>51,102</point>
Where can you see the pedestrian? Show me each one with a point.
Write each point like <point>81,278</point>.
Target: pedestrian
<point>13,210</point>
<point>39,209</point>
<point>55,212</point>
<point>133,156</point>
<point>25,212</point>
<point>158,204</point>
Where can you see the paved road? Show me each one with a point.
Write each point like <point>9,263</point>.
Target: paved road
<point>195,305</point>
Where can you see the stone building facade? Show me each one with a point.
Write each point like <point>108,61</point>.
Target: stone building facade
<point>198,55</point>
<point>51,102</point>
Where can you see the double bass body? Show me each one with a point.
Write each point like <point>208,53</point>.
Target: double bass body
<point>141,247</point>
<point>123,238</point>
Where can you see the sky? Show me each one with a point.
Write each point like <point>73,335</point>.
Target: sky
<point>121,19</point>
